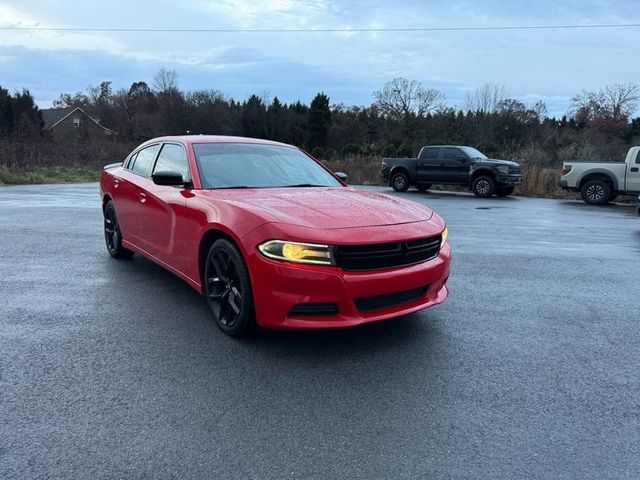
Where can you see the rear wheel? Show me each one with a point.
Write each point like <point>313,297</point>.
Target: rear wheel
<point>596,192</point>
<point>423,187</point>
<point>504,191</point>
<point>483,186</point>
<point>400,182</point>
<point>228,289</point>
<point>112,234</point>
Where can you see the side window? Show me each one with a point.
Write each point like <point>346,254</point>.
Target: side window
<point>131,161</point>
<point>430,155</point>
<point>638,157</point>
<point>450,154</point>
<point>173,158</point>
<point>144,160</point>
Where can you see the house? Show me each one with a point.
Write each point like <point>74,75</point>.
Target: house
<point>74,122</point>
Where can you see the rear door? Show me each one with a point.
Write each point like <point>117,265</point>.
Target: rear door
<point>633,174</point>
<point>428,165</point>
<point>138,180</point>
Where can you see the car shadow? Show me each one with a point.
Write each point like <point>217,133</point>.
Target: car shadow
<point>141,282</point>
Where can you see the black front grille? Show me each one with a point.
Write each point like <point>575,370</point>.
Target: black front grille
<point>386,255</point>
<point>313,309</point>
<point>367,304</point>
<point>514,170</point>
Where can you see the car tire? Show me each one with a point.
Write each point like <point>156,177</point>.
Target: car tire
<point>596,192</point>
<point>613,196</point>
<point>112,234</point>
<point>483,186</point>
<point>227,288</point>
<point>504,191</point>
<point>423,187</point>
<point>400,182</point>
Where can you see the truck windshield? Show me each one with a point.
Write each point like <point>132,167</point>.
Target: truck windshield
<point>246,165</point>
<point>473,153</point>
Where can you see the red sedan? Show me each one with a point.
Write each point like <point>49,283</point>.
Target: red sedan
<point>270,236</point>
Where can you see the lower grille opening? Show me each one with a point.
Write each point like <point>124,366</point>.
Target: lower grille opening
<point>367,304</point>
<point>313,309</point>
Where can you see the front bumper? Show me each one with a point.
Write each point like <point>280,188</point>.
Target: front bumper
<point>509,179</point>
<point>280,287</point>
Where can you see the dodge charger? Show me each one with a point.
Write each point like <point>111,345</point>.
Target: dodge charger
<point>270,236</point>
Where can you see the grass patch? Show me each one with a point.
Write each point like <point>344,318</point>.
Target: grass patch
<point>47,175</point>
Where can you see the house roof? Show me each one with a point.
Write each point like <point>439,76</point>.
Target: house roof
<point>53,116</point>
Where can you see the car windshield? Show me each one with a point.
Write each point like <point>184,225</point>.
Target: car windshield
<point>473,153</point>
<point>246,165</point>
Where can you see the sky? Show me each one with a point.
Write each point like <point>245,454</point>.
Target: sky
<point>532,65</point>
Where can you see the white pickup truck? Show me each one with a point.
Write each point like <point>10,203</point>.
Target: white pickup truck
<point>601,182</point>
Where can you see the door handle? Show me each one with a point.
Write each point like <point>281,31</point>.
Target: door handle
<point>143,198</point>
<point>634,169</point>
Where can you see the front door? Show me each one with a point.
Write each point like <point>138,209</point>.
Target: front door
<point>455,165</point>
<point>633,174</point>
<point>164,208</point>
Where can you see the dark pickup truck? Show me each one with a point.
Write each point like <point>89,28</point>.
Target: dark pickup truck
<point>452,165</point>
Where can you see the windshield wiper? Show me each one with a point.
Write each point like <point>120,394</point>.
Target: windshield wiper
<point>230,187</point>
<point>303,185</point>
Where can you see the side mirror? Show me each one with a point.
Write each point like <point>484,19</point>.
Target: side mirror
<point>342,176</point>
<point>169,178</point>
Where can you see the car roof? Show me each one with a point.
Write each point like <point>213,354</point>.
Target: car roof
<point>443,146</point>
<point>190,139</point>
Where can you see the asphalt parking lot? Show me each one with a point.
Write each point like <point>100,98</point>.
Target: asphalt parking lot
<point>531,369</point>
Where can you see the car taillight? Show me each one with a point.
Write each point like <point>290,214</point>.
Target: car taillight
<point>566,169</point>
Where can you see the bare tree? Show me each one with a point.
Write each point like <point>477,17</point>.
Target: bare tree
<point>621,100</point>
<point>486,98</point>
<point>165,80</point>
<point>614,102</point>
<point>402,99</point>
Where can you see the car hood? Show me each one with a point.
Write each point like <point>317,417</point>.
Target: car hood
<point>323,208</point>
<point>494,161</point>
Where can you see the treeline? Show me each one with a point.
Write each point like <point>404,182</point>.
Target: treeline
<point>404,116</point>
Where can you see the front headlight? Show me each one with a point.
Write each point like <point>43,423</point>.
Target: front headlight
<point>503,169</point>
<point>445,234</point>
<point>297,252</point>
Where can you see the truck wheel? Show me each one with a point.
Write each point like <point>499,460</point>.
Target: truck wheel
<point>483,187</point>
<point>423,187</point>
<point>400,182</point>
<point>504,191</point>
<point>596,192</point>
<point>613,196</point>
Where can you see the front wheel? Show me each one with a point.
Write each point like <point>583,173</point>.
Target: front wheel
<point>596,192</point>
<point>504,191</point>
<point>400,182</point>
<point>483,187</point>
<point>228,289</point>
<point>112,234</point>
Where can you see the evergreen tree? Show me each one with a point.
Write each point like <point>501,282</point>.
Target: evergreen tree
<point>319,117</point>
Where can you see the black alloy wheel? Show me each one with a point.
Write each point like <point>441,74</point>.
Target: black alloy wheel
<point>112,235</point>
<point>228,289</point>
<point>400,182</point>
<point>596,192</point>
<point>483,187</point>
